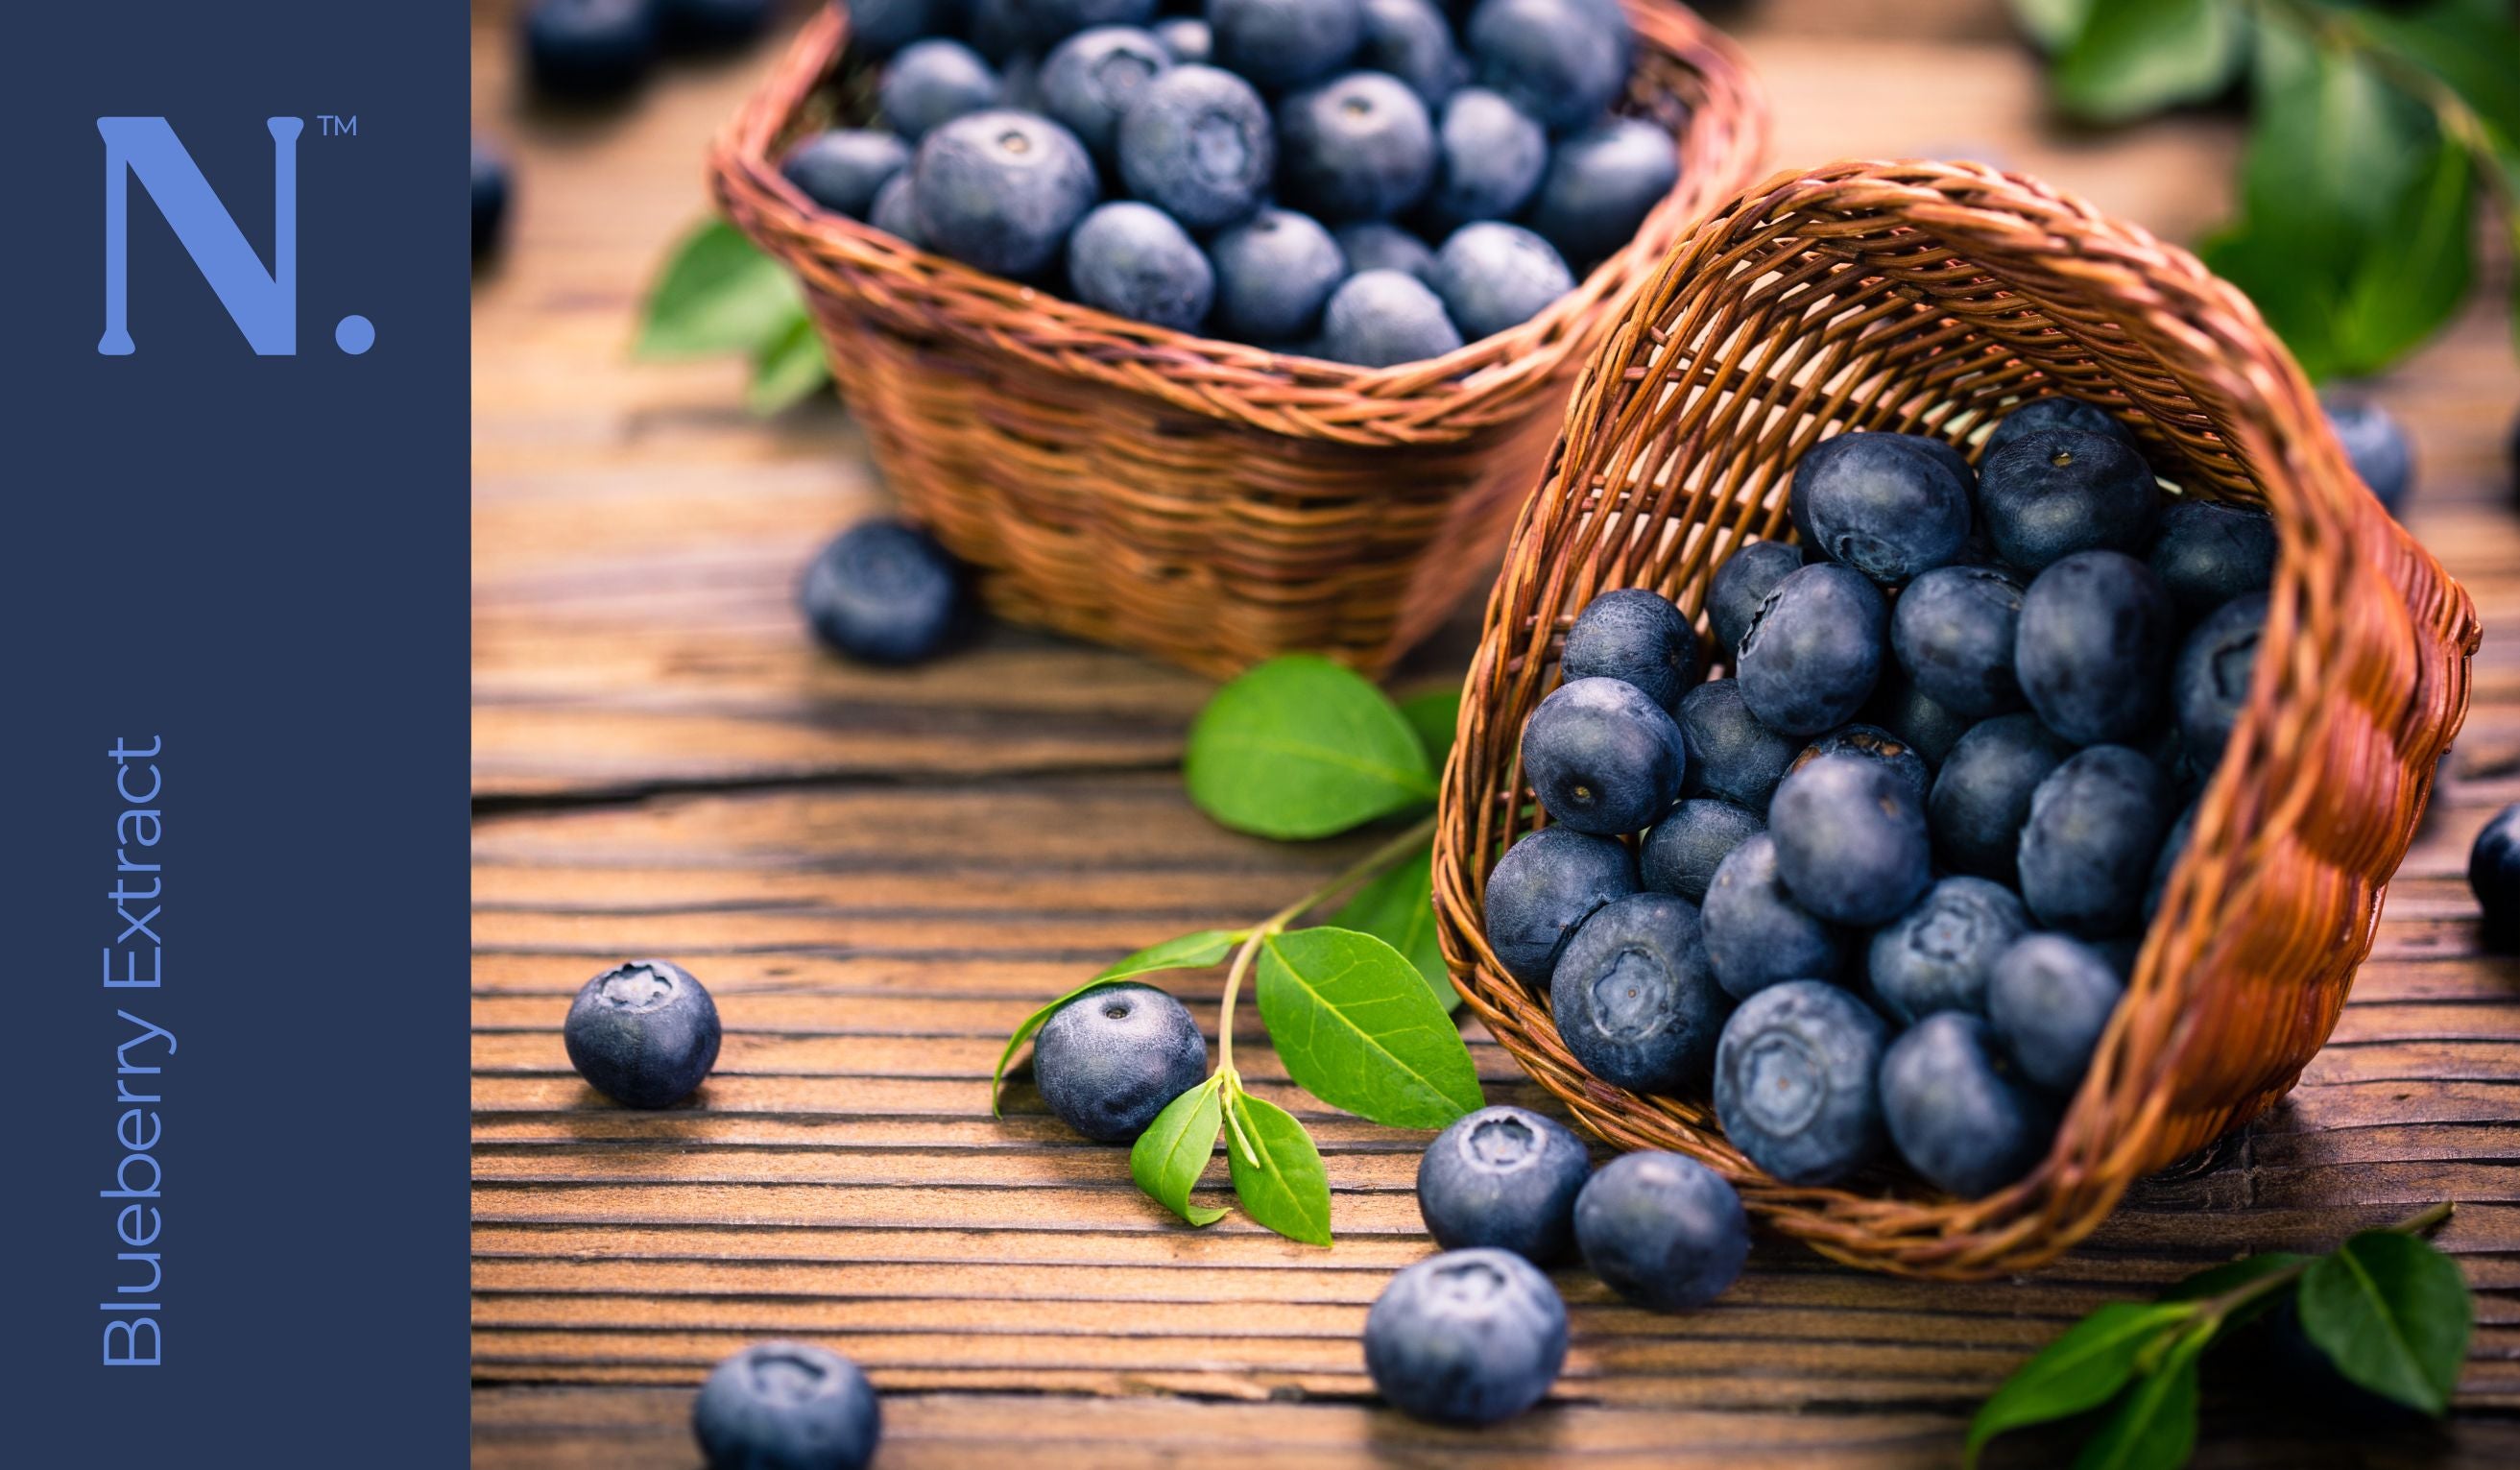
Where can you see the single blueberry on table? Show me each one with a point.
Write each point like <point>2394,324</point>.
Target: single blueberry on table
<point>931,83</point>
<point>490,181</point>
<point>1662,1230</point>
<point>1756,935</point>
<point>1682,853</point>
<point>1282,44</point>
<point>1494,276</point>
<point>1731,754</point>
<point>787,1407</point>
<point>1563,62</point>
<point>886,594</point>
<point>1187,38</point>
<point>1275,272</point>
<point>1851,840</point>
<point>2054,413</point>
<point>713,25</point>
<point>590,48</point>
<point>2093,649</point>
<point>2048,1001</point>
<point>1634,996</point>
<point>1794,1081</point>
<point>1379,245</point>
<point>2208,552</point>
<point>1881,504</point>
<point>1092,80</point>
<point>1198,143</point>
<point>2210,686</point>
<point>2056,491</point>
<point>1002,190</point>
<point>1899,707</point>
<point>1382,318</point>
<point>1600,185</point>
<point>1813,650</point>
<point>1872,743</point>
<point>2173,848</point>
<point>842,169</point>
<point>881,28</point>
<point>643,1033</point>
<point>1603,757</point>
<point>1109,1061</point>
<point>896,209</point>
<point>1939,956</point>
<point>2375,445</point>
<point>1982,795</point>
<point>2086,851</point>
<point>1132,259</point>
<point>1744,581</point>
<point>1505,1179</point>
<point>1953,632</point>
<point>1488,160</point>
<point>1466,1337</point>
<point>2494,876</point>
<point>1956,1110</point>
<point>1543,890</point>
<point>1636,636</point>
<point>1413,40</point>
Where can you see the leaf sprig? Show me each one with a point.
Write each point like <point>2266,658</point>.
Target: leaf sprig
<point>719,297</point>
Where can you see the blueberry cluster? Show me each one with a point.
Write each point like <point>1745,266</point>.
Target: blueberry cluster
<point>1888,877</point>
<point>1356,180</point>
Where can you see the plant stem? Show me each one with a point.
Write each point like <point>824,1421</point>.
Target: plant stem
<point>2214,1309</point>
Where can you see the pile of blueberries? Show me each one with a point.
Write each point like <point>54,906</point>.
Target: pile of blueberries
<point>1892,872</point>
<point>1356,180</point>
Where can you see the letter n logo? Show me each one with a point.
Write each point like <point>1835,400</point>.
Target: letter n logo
<point>264,307</point>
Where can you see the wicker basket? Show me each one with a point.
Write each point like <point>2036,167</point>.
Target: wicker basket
<point>1203,501</point>
<point>1923,298</point>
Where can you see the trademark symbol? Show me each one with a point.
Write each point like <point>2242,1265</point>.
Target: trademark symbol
<point>338,127</point>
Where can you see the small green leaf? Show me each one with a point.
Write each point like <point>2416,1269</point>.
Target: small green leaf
<point>1358,1028</point>
<point>2155,1425</point>
<point>788,371</point>
<point>1172,1153</point>
<point>2079,1371</point>
<point>1283,1187</point>
<point>2393,1313</point>
<point>1399,910</point>
<point>1190,951</point>
<point>2214,1281</point>
<point>2052,24</point>
<point>718,294</point>
<point>2134,57</point>
<point>1301,747</point>
<point>1434,716</point>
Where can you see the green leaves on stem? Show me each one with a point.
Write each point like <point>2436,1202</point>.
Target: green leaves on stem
<point>1300,747</point>
<point>2393,1314</point>
<point>1357,1027</point>
<point>719,297</point>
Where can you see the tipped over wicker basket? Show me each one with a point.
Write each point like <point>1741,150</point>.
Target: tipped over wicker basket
<point>1924,297</point>
<point>1204,501</point>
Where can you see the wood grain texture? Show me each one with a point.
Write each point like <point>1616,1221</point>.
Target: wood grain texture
<point>879,873</point>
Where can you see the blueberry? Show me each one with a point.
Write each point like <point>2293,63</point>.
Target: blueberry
<point>2494,876</point>
<point>1048,22</point>
<point>2047,1001</point>
<point>1000,29</point>
<point>1953,632</point>
<point>2173,848</point>
<point>1603,757</point>
<point>1282,44</point>
<point>590,48</point>
<point>1794,1081</point>
<point>787,1407</point>
<point>1982,797</point>
<point>1731,754</point>
<point>1492,276</point>
<point>2210,686</point>
<point>881,28</point>
<point>1092,80</point>
<point>1664,1231</point>
<point>886,594</point>
<point>1563,62</point>
<point>1187,39</point>
<point>1634,635</point>
<point>1899,707</point>
<point>1273,274</point>
<point>1955,1110</point>
<point>1109,1061</point>
<point>931,83</point>
<point>1938,955</point>
<point>1360,147</point>
<point>1413,40</point>
<point>1468,1337</point>
<point>842,170</point>
<point>490,197</point>
<point>1131,259</point>
<point>1744,581</point>
<point>2374,443</point>
<point>1881,504</point>
<point>1379,245</point>
<point>1813,650</point>
<point>1601,184</point>
<point>1682,853</point>
<point>1198,143</point>
<point>2056,491</point>
<point>1489,158</point>
<point>1851,840</point>
<point>1634,996</point>
<point>2094,644</point>
<point>1505,1178</point>
<point>1872,743</point>
<point>2054,413</point>
<point>2086,851</point>
<point>1756,935</point>
<point>1002,190</point>
<point>643,1033</point>
<point>1381,318</point>
<point>896,209</point>
<point>713,25</point>
<point>2208,552</point>
<point>1543,890</point>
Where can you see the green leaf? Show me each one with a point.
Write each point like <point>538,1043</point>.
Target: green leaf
<point>1300,747</point>
<point>1172,1153</point>
<point>2052,24</point>
<point>1399,910</point>
<point>1434,716</point>
<point>1358,1028</point>
<point>2214,1281</point>
<point>718,294</point>
<point>1192,951</point>
<point>2134,57</point>
<point>2079,1371</point>
<point>2471,46</point>
<point>2393,1313</point>
<point>788,369</point>
<point>2411,278</point>
<point>2155,1425</point>
<point>1283,1185</point>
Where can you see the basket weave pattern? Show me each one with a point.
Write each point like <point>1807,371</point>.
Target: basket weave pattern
<point>1205,501</point>
<point>1924,297</point>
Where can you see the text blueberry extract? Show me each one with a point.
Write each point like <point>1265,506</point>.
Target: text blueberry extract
<point>135,961</point>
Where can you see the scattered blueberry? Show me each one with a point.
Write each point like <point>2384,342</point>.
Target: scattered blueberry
<point>1952,630</point>
<point>1682,853</point>
<point>1634,996</point>
<point>931,83</point>
<point>1002,190</point>
<point>1634,635</point>
<point>1851,840</point>
<point>1756,935</point>
<point>1543,890</point>
<point>713,25</point>
<point>787,1407</point>
<point>2055,413</point>
<point>881,27</point>
<point>1282,44</point>
<point>1413,40</point>
<point>896,209</point>
<point>886,594</point>
<point>1090,81</point>
<point>2494,876</point>
<point>2211,551</point>
<point>1794,1081</point>
<point>490,197</point>
<point>1899,707</point>
<point>1275,272</point>
<point>1198,144</point>
<point>1872,743</point>
<point>1982,797</point>
<point>2210,686</point>
<point>2093,645</point>
<point>2056,491</point>
<point>1601,184</point>
<point>1662,1230</point>
<point>1381,318</point>
<point>1955,1110</point>
<point>2375,445</point>
<point>590,48</point>
<point>1379,245</point>
<point>1466,1337</point>
<point>2087,848</point>
<point>1132,259</point>
<point>1603,757</point>
<point>1744,581</point>
<point>643,1033</point>
<point>1938,955</point>
<point>842,169</point>
<point>1505,1178</point>
<point>1109,1061</point>
<point>1731,754</point>
<point>2048,1001</point>
<point>1881,504</point>
<point>1563,62</point>
<point>1489,159</point>
<point>1188,39</point>
<point>1813,650</point>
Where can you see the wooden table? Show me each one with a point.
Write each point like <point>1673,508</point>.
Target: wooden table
<point>878,874</point>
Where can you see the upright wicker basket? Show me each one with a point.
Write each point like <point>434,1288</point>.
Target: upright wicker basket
<point>1204,501</point>
<point>1925,298</point>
